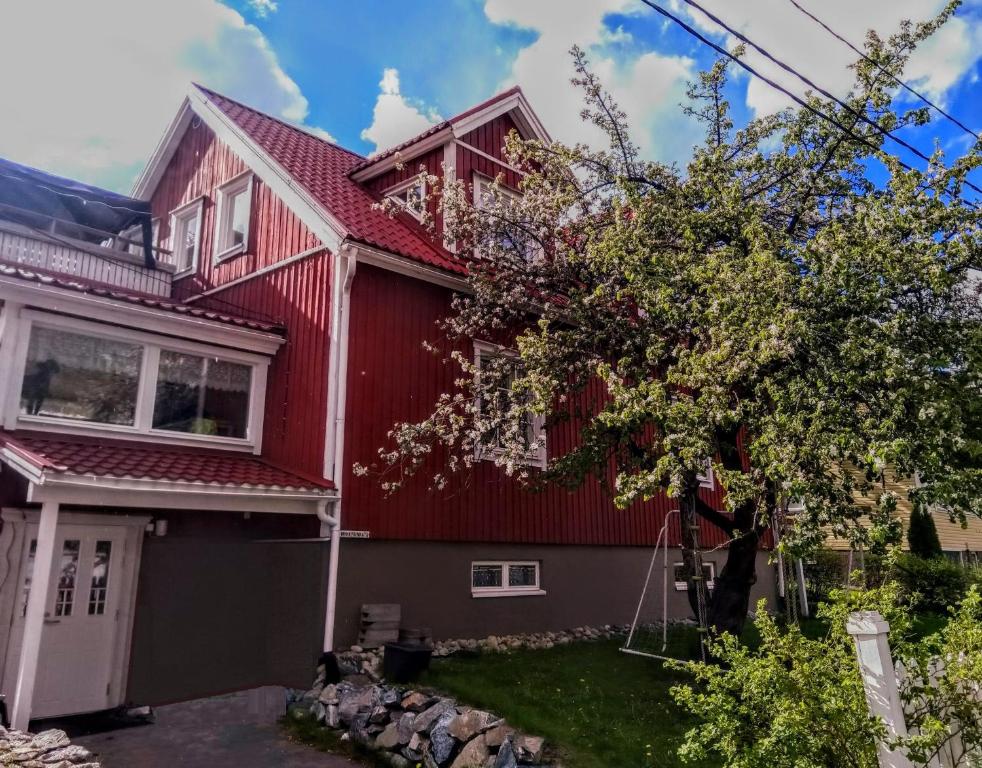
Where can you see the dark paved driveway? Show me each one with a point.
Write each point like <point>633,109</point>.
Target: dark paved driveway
<point>238,731</point>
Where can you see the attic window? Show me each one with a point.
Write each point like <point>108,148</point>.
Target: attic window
<point>411,196</point>
<point>504,237</point>
<point>233,205</point>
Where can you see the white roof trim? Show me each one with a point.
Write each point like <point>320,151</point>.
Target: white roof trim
<point>121,312</point>
<point>526,119</point>
<point>320,221</point>
<point>405,155</point>
<point>147,181</point>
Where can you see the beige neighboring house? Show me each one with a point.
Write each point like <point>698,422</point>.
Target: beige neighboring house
<point>960,543</point>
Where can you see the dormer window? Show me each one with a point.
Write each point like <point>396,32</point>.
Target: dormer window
<point>233,204</point>
<point>503,237</point>
<point>185,236</point>
<point>410,196</point>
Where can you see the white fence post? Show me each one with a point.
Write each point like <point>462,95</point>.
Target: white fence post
<point>870,631</point>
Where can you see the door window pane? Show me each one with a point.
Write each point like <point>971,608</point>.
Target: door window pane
<point>29,573</point>
<point>202,395</point>
<point>67,573</point>
<point>100,578</point>
<point>82,378</point>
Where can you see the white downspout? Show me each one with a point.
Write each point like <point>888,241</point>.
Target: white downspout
<point>344,274</point>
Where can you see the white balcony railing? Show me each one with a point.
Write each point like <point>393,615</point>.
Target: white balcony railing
<point>57,253</point>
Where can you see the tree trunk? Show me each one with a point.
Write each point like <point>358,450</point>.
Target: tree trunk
<point>730,602</point>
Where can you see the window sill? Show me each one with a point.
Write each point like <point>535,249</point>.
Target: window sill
<point>159,436</point>
<point>508,593</point>
<point>229,253</point>
<point>530,461</point>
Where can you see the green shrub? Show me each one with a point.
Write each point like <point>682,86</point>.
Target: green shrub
<point>934,585</point>
<point>922,534</point>
<point>825,572</point>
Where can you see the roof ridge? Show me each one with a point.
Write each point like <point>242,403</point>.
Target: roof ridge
<point>292,126</point>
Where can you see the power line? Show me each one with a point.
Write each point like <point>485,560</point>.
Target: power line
<point>778,87</point>
<point>886,72</point>
<point>791,70</point>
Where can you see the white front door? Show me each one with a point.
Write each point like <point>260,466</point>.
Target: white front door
<point>80,640</point>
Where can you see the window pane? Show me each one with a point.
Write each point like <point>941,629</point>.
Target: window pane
<point>67,572</point>
<point>201,395</point>
<point>78,377</point>
<point>521,575</point>
<point>100,578</point>
<point>185,241</point>
<point>238,206</point>
<point>486,576</point>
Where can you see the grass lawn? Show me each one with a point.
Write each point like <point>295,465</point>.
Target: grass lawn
<point>606,709</point>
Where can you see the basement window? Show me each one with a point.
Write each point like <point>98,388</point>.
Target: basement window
<point>708,572</point>
<point>505,578</point>
<point>233,204</point>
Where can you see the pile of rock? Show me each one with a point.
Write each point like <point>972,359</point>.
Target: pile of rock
<point>409,728</point>
<point>48,749</point>
<point>533,641</point>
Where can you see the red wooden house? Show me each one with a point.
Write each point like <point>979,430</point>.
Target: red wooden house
<point>178,439</point>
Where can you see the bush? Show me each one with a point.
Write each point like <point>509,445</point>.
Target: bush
<point>824,573</point>
<point>922,534</point>
<point>934,585</point>
<point>797,702</point>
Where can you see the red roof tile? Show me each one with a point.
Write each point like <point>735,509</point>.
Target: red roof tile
<point>128,459</point>
<point>322,168</point>
<point>81,285</point>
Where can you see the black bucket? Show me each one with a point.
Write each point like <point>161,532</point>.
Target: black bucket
<point>405,662</point>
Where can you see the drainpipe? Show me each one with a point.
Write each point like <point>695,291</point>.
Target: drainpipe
<point>344,274</point>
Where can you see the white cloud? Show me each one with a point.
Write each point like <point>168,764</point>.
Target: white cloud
<point>395,119</point>
<point>790,36</point>
<point>263,8</point>
<point>649,86</point>
<point>93,101</point>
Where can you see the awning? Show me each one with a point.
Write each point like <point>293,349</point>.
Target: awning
<point>44,193</point>
<point>105,472</point>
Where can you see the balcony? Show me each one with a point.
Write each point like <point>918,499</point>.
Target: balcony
<point>41,242</point>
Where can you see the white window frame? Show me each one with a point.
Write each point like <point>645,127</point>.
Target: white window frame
<point>538,457</point>
<point>707,479</point>
<point>142,427</point>
<point>504,590</point>
<point>223,220</point>
<point>136,233</point>
<point>178,227</point>
<point>402,187</point>
<point>478,181</point>
<point>683,586</point>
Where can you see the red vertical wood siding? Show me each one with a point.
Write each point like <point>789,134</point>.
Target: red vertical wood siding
<point>201,164</point>
<point>296,296</point>
<point>490,139</point>
<point>392,378</point>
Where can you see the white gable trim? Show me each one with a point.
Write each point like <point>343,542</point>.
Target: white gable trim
<point>526,119</point>
<point>405,155</point>
<point>147,181</point>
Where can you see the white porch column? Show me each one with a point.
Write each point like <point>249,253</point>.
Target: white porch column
<point>870,632</point>
<point>30,651</point>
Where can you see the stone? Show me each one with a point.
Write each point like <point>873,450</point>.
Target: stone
<point>405,727</point>
<point>415,701</point>
<point>318,711</point>
<point>48,740</point>
<point>332,719</point>
<point>474,754</point>
<point>506,755</point>
<point>389,697</point>
<point>529,749</point>
<point>466,726</point>
<point>379,715</point>
<point>353,701</point>
<point>441,742</point>
<point>389,738</point>
<point>356,649</point>
<point>329,695</point>
<point>414,749</point>
<point>426,719</point>
<point>497,735</point>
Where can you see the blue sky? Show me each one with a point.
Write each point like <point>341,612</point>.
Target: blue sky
<point>373,72</point>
